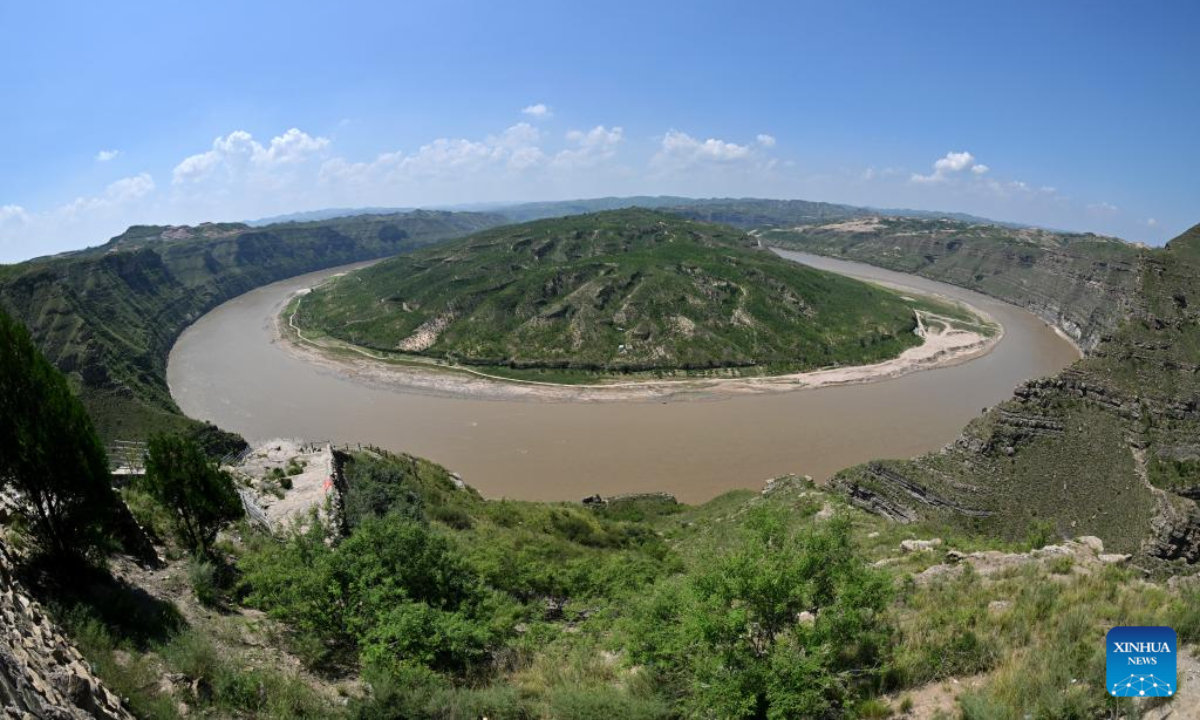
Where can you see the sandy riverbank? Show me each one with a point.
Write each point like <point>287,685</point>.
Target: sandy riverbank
<point>944,343</point>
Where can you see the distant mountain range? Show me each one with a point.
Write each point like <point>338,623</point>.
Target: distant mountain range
<point>740,212</point>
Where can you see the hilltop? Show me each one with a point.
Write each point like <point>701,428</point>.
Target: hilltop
<point>1079,282</point>
<point>107,316</point>
<point>618,291</point>
<point>1107,447</point>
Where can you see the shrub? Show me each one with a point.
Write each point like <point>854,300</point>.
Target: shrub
<point>202,574</point>
<point>200,496</point>
<point>395,591</point>
<point>49,451</point>
<point>731,637</point>
<point>376,488</point>
<point>604,704</point>
<point>454,517</point>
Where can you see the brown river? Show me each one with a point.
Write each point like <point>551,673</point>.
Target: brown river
<point>230,368</point>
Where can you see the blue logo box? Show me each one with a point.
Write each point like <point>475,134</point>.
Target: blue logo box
<point>1140,662</point>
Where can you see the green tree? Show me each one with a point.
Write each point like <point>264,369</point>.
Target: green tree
<point>787,624</point>
<point>397,592</point>
<point>200,496</point>
<point>49,452</point>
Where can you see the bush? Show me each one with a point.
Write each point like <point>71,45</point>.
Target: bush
<point>395,591</point>
<point>235,690</point>
<point>453,517</point>
<point>202,575</point>
<point>376,488</point>
<point>200,496</point>
<point>415,692</point>
<point>604,704</point>
<point>730,636</point>
<point>49,451</point>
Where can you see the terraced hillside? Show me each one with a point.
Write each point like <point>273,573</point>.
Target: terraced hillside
<point>1109,447</point>
<point>619,291</point>
<point>1079,282</point>
<point>107,316</point>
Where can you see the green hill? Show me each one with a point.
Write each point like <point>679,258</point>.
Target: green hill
<point>1107,447</point>
<point>108,316</point>
<point>1078,281</point>
<point>619,291</point>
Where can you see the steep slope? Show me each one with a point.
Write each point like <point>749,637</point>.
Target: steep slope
<point>625,290</point>
<point>107,316</point>
<point>1081,283</point>
<point>42,674</point>
<point>1108,447</point>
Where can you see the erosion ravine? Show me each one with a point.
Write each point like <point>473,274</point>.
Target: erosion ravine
<point>230,368</point>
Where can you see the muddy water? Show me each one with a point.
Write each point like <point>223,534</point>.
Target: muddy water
<point>230,369</point>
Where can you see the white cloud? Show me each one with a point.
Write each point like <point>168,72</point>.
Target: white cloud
<point>594,146</point>
<point>874,173</point>
<point>515,150</point>
<point>1104,208</point>
<point>766,140</point>
<point>130,188</point>
<point>1151,222</point>
<point>106,155</point>
<point>679,150</point>
<point>954,161</point>
<point>540,110</point>
<point>239,150</point>
<point>12,215</point>
<point>121,192</point>
<point>950,165</point>
<point>293,146</point>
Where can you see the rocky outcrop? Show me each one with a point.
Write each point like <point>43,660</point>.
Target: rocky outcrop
<point>1108,447</point>
<point>42,675</point>
<point>1174,531</point>
<point>1085,555</point>
<point>1082,284</point>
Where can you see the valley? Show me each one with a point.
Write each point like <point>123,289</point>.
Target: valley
<point>990,540</point>
<point>231,368</point>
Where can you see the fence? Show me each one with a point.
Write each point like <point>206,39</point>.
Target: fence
<point>253,511</point>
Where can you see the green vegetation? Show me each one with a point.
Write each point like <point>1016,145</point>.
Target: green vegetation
<point>1081,282</point>
<point>49,454</point>
<point>783,624</point>
<point>786,603</point>
<point>200,496</point>
<point>1116,429</point>
<point>142,649</point>
<point>615,292</point>
<point>108,316</point>
<point>750,606</point>
<point>425,600</point>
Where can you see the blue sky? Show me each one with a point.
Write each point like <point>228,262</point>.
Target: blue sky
<point>1079,115</point>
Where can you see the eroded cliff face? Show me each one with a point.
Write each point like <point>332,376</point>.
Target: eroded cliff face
<point>108,316</point>
<point>1081,283</point>
<point>42,674</point>
<point>1109,447</point>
